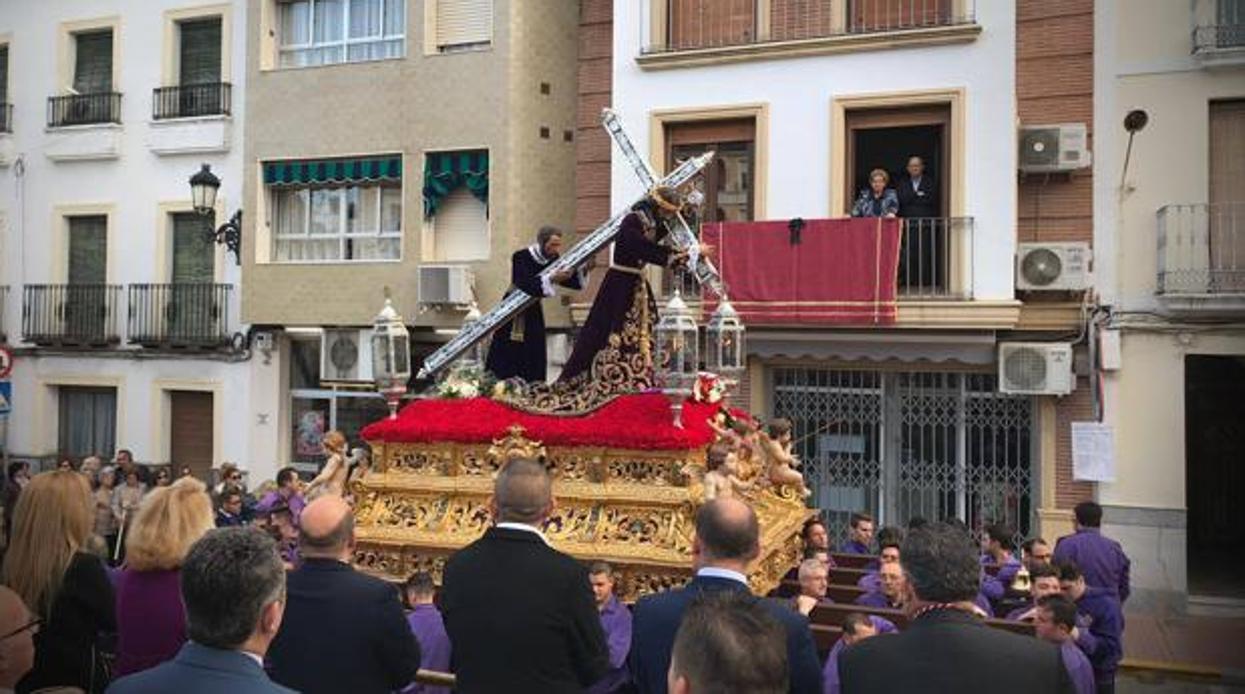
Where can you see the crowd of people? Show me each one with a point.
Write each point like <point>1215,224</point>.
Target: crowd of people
<point>182,587</point>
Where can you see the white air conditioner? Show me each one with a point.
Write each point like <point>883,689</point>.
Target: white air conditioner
<point>1053,267</point>
<point>346,355</point>
<point>1053,148</point>
<point>1036,368</point>
<point>441,285</point>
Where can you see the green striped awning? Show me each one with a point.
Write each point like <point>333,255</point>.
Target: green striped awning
<point>446,171</point>
<point>333,171</point>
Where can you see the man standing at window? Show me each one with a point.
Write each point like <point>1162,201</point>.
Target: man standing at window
<point>518,347</point>
<point>918,193</point>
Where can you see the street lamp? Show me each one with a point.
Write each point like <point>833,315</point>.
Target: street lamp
<point>203,188</point>
<point>391,356</point>
<point>725,341</point>
<point>677,345</point>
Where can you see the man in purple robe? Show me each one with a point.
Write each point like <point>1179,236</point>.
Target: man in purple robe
<point>856,628</point>
<point>616,622</point>
<point>285,494</point>
<point>429,629</point>
<point>1055,621</point>
<point>1044,580</point>
<point>1101,560</point>
<point>1100,629</point>
<point>999,551</point>
<point>518,347</point>
<point>1035,551</point>
<point>860,534</point>
<point>888,554</point>
<point>891,588</point>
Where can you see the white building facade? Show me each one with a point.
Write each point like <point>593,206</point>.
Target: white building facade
<point>123,315</point>
<point>1170,233</point>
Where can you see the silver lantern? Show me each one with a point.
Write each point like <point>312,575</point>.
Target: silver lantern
<point>391,356</point>
<point>724,342</point>
<point>677,351</point>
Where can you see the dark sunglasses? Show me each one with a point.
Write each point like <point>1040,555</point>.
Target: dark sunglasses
<point>32,626</point>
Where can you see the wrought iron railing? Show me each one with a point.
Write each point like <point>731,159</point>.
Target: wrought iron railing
<point>179,315</point>
<point>70,314</point>
<point>189,100</point>
<point>699,24</point>
<point>936,258</point>
<point>1201,248</point>
<point>84,109</point>
<point>1218,25</point>
<point>6,118</point>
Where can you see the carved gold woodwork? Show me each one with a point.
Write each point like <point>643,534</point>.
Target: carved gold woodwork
<point>633,508</point>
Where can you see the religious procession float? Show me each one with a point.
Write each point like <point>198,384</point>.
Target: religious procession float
<point>635,432</point>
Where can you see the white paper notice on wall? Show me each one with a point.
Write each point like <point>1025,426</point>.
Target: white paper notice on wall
<point>1093,452</point>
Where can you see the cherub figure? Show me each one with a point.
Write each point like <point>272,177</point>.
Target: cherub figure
<point>722,480</point>
<point>776,444</point>
<point>332,478</point>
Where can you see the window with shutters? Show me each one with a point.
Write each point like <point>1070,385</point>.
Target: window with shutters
<point>198,53</point>
<point>462,25</point>
<point>88,249</point>
<point>323,32</point>
<point>92,72</point>
<point>87,422</point>
<point>460,230</point>
<point>6,110</point>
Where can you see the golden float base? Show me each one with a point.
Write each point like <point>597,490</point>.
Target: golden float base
<point>632,508</point>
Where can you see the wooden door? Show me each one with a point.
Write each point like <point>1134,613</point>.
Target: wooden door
<point>190,431</point>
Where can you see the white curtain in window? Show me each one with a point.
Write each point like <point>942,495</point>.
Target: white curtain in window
<point>460,229</point>
<point>365,18</point>
<point>308,224</point>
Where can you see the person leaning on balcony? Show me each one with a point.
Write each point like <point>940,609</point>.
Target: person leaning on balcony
<point>878,200</point>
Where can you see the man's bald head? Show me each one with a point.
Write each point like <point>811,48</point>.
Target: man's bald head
<point>727,529</point>
<point>523,492</point>
<point>326,528</point>
<point>17,651</point>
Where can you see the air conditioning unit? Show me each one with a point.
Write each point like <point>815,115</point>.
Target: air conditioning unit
<point>346,355</point>
<point>1036,368</point>
<point>1053,148</point>
<point>442,285</point>
<point>1053,266</point>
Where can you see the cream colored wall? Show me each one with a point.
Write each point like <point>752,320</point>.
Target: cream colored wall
<point>1145,404</point>
<point>474,99</point>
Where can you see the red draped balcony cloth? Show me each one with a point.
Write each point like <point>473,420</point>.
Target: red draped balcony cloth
<point>829,272</point>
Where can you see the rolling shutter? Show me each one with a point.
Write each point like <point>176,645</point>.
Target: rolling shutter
<point>464,23</point>
<point>93,63</point>
<point>200,52</point>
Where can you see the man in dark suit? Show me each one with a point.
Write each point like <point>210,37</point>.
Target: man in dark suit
<point>343,631</point>
<point>918,193</point>
<point>233,587</point>
<point>946,648</point>
<point>727,541</point>
<point>520,614</point>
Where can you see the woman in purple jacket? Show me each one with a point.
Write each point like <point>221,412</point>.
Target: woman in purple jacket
<point>151,620</point>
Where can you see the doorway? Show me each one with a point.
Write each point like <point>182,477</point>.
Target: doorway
<point>191,427</point>
<point>1214,449</point>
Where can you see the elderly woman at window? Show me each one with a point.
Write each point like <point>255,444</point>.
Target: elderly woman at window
<point>877,200</point>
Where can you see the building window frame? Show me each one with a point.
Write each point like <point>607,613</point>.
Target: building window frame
<point>344,44</point>
<point>67,45</point>
<point>343,235</point>
<point>433,47</point>
<point>171,54</point>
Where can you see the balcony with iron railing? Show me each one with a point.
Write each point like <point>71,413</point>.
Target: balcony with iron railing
<point>71,315</point>
<point>744,27</point>
<point>935,263</point>
<point>84,109</point>
<point>1201,258</point>
<point>1219,31</point>
<point>194,316</point>
<point>191,100</point>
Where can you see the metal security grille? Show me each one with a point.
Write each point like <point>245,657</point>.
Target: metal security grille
<point>903,444</point>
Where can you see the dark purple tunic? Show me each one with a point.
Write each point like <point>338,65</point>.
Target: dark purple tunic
<point>617,294</point>
<point>1101,560</point>
<point>518,347</point>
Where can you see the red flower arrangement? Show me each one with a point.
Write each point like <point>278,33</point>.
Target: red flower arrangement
<point>642,421</point>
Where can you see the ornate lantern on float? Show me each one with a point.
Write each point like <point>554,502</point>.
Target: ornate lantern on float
<point>391,356</point>
<point>678,358</point>
<point>724,342</point>
<point>473,358</point>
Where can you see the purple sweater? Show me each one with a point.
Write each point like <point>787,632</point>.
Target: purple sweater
<point>151,621</point>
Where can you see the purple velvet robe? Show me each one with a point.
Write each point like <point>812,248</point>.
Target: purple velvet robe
<point>1100,623</point>
<point>151,619</point>
<point>1079,668</point>
<point>854,547</point>
<point>830,673</point>
<point>617,294</point>
<point>1101,560</point>
<point>877,599</point>
<point>616,622</point>
<point>520,350</point>
<point>434,645</point>
<point>994,587</point>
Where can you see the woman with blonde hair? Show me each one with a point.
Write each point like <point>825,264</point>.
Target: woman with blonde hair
<point>151,619</point>
<point>67,588</point>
